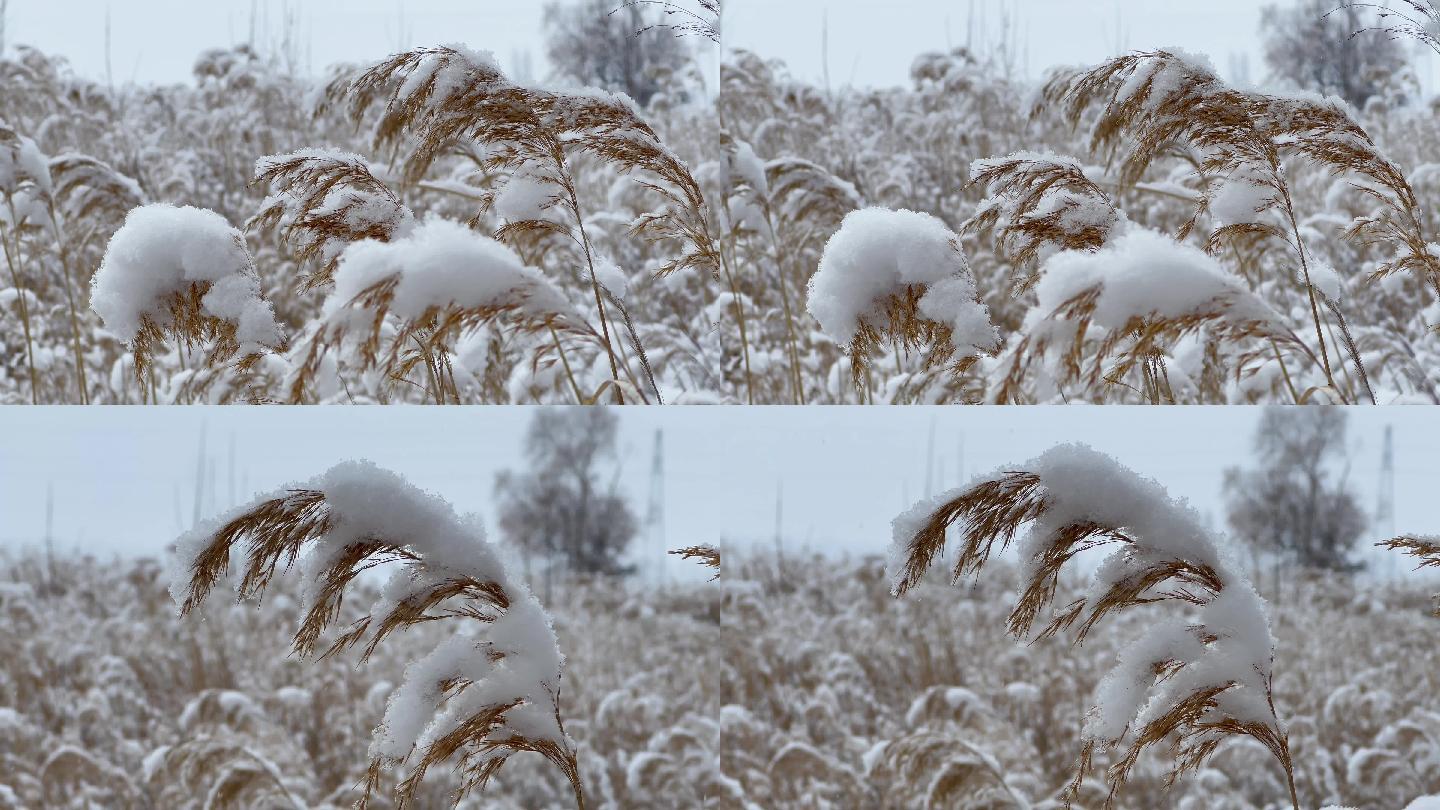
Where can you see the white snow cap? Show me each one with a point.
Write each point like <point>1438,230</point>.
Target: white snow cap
<point>1165,76</point>
<point>527,195</point>
<point>1242,198</point>
<point>162,250</point>
<point>878,253</point>
<point>1143,273</point>
<point>442,263</point>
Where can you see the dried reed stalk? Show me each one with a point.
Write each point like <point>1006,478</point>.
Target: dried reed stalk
<point>684,21</point>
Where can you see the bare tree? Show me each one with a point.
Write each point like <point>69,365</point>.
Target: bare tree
<point>559,508</point>
<point>618,47</point>
<point>1289,505</point>
<point>1317,46</point>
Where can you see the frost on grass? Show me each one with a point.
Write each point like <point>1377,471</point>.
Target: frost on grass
<point>899,276</point>
<point>488,690</point>
<point>1204,674</point>
<point>183,271</point>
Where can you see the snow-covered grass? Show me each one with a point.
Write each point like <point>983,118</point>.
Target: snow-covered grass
<point>1138,230</point>
<point>109,699</point>
<point>837,694</point>
<point>562,243</point>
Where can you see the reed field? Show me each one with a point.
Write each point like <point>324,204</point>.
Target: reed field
<point>661,214</point>
<point>836,694</point>
<point>111,700</point>
<point>423,227</point>
<point>417,228</point>
<point>1133,230</point>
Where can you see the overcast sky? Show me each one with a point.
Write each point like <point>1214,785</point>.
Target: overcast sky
<point>873,42</point>
<point>158,40</point>
<point>124,477</point>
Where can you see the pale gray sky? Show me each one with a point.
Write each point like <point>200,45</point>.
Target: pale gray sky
<point>158,40</point>
<point>873,42</point>
<point>124,477</point>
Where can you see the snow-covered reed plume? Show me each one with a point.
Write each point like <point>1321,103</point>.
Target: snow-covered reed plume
<point>1425,548</point>
<point>709,556</point>
<point>1091,267</point>
<point>897,279</point>
<point>1041,203</point>
<point>1197,678</point>
<point>184,273</point>
<point>321,200</point>
<point>486,692</point>
<point>1133,301</point>
<point>431,97</point>
<point>440,280</point>
<point>1151,100</point>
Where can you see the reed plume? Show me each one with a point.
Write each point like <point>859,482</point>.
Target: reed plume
<point>185,274</point>
<point>1423,548</point>
<point>321,201</point>
<point>1197,680</point>
<point>1149,101</point>
<point>483,694</point>
<point>898,280</point>
<point>1039,204</point>
<point>709,556</point>
<point>434,101</point>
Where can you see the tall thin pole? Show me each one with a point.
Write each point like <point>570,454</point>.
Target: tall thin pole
<point>960,461</point>
<point>779,518</point>
<point>930,461</point>
<point>230,476</point>
<point>199,482</point>
<point>1384,522</point>
<point>49,532</point>
<point>655,512</point>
